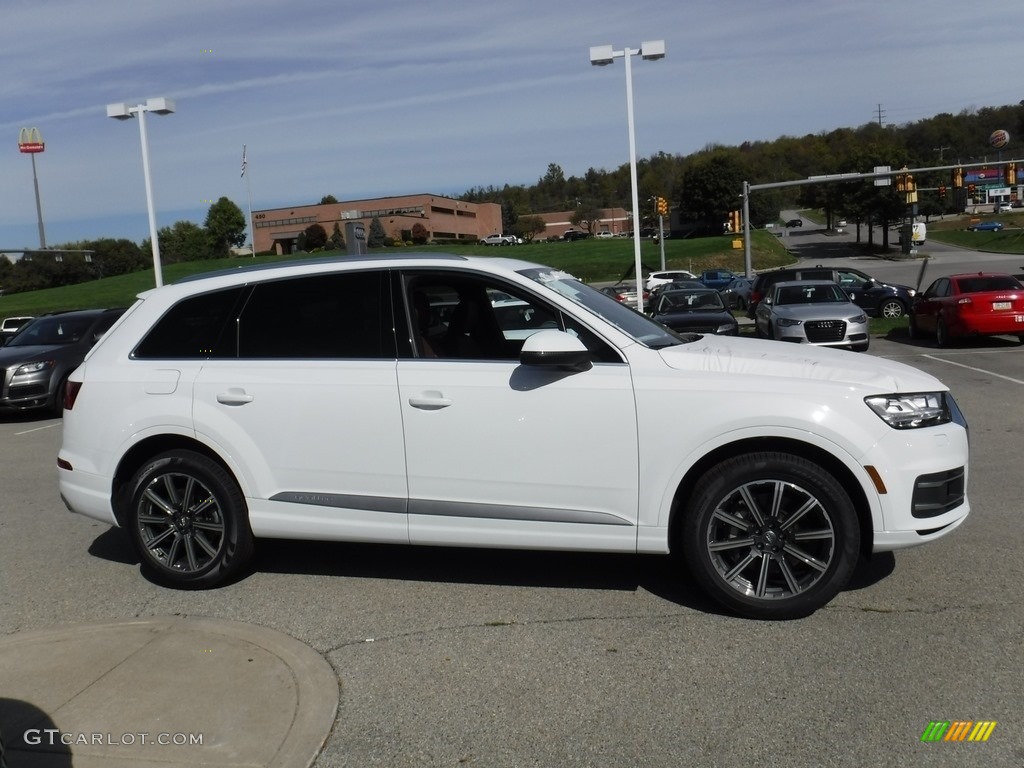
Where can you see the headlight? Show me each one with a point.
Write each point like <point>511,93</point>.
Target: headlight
<point>788,321</point>
<point>859,319</point>
<point>912,410</point>
<point>27,368</point>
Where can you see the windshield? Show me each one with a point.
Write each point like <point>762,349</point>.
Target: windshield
<point>810,294</point>
<point>632,323</point>
<point>690,301</point>
<point>51,330</point>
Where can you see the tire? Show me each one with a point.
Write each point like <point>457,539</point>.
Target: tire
<point>912,330</point>
<point>891,308</point>
<point>188,521</point>
<point>770,535</point>
<point>57,406</point>
<point>941,332</point>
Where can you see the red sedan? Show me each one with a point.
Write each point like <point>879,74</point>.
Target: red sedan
<point>978,304</point>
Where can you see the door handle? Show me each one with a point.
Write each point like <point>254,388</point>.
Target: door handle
<point>234,397</point>
<point>429,401</point>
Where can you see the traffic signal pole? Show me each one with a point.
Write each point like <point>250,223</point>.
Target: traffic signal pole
<point>890,174</point>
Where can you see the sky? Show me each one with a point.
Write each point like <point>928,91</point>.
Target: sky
<point>373,99</point>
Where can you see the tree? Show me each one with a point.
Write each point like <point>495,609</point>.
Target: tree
<point>419,234</point>
<point>375,239</point>
<point>530,226</point>
<point>328,199</point>
<point>115,257</point>
<point>337,239</point>
<point>587,216</point>
<point>315,237</point>
<point>183,241</point>
<point>225,224</point>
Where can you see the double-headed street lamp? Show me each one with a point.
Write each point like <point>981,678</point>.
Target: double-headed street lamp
<point>601,55</point>
<point>124,112</point>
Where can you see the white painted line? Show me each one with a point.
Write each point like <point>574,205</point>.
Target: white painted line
<point>37,429</point>
<point>972,368</point>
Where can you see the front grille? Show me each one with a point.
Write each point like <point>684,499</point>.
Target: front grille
<point>936,494</point>
<point>819,331</point>
<point>3,380</point>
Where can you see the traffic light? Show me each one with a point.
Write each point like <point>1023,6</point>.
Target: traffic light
<point>942,192</point>
<point>901,182</point>
<point>970,190</point>
<point>958,178</point>
<point>909,181</point>
<point>1011,174</point>
<point>662,204</point>
<point>734,221</point>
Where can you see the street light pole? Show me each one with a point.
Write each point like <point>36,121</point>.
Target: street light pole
<point>124,112</point>
<point>600,56</point>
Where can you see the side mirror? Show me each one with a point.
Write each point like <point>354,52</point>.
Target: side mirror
<point>555,349</point>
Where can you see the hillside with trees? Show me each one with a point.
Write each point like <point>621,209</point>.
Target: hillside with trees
<point>704,186</point>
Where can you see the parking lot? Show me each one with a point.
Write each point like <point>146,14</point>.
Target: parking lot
<point>461,657</point>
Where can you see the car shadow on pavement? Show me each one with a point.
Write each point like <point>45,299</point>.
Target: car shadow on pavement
<point>498,567</point>
<point>902,336</point>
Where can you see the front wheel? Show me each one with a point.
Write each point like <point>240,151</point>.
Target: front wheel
<point>770,535</point>
<point>891,308</point>
<point>189,521</point>
<point>941,332</point>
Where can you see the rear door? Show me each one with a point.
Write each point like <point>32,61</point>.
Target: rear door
<point>308,405</point>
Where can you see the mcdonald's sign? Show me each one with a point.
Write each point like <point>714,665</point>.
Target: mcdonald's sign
<point>30,141</point>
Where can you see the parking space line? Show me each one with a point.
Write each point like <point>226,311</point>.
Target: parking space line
<point>973,368</point>
<point>37,429</point>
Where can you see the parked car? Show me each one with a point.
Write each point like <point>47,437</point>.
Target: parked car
<point>1004,208</point>
<point>695,310</point>
<point>877,298</point>
<point>291,401</point>
<point>575,234</point>
<point>10,325</point>
<point>622,293</point>
<point>795,223</point>
<point>977,304</point>
<point>736,295</point>
<point>986,226</point>
<point>604,235</point>
<point>655,279</point>
<point>651,298</point>
<point>36,361</point>
<point>813,312</point>
<point>497,239</point>
<point>717,278</point>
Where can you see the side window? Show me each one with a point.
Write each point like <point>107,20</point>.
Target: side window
<point>469,317</point>
<point>850,280</point>
<point>196,328</point>
<point>341,315</point>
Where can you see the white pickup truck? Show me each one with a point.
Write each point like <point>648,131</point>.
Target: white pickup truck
<point>500,240</point>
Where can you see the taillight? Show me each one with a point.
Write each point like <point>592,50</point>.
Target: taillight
<point>71,394</point>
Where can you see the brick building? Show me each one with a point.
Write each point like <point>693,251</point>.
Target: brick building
<point>277,229</point>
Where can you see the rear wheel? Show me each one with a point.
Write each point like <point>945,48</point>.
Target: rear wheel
<point>770,535</point>
<point>189,521</point>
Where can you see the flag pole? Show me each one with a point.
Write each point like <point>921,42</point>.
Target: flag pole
<point>248,193</point>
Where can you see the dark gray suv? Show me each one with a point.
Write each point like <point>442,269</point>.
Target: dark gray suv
<point>875,297</point>
<point>36,361</point>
